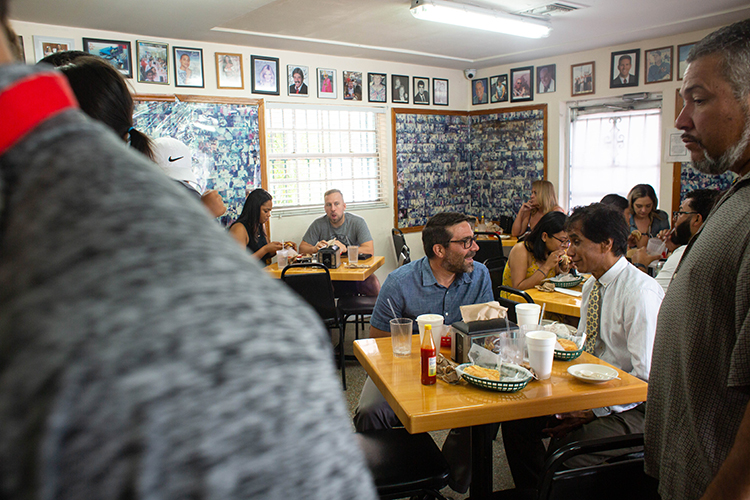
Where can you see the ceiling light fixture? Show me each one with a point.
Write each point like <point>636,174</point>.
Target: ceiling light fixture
<point>470,16</point>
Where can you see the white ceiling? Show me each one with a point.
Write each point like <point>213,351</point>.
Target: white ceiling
<point>384,29</point>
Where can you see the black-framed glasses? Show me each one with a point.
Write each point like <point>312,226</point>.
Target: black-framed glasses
<point>679,212</point>
<point>466,242</point>
<point>564,242</point>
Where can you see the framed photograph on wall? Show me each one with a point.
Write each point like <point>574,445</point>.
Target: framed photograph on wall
<point>658,65</point>
<point>421,90</point>
<point>116,52</point>
<point>352,81</point>
<point>440,91</point>
<point>682,54</point>
<point>48,45</point>
<point>297,78</point>
<point>377,90</point>
<point>326,83</point>
<point>623,70</point>
<point>499,88</point>
<point>479,91</point>
<point>188,67</point>
<point>153,59</point>
<point>400,89</point>
<point>546,78</point>
<point>582,78</point>
<point>229,74</point>
<point>265,75</point>
<point>23,49</point>
<point>522,84</point>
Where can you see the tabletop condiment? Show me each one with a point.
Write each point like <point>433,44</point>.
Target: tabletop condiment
<point>428,354</point>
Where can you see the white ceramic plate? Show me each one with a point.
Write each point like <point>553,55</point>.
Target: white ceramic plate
<point>593,373</point>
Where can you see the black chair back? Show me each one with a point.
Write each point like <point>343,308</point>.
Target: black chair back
<point>488,248</point>
<point>510,304</point>
<point>403,255</point>
<point>618,478</point>
<point>506,223</point>
<point>315,287</point>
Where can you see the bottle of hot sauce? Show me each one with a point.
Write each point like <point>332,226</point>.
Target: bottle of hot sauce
<point>429,357</point>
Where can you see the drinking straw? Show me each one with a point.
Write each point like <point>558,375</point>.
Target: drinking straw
<point>392,309</point>
<point>541,314</point>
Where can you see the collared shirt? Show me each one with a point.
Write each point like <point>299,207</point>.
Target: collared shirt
<point>412,290</point>
<point>629,308</point>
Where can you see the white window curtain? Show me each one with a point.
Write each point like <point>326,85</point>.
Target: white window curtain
<point>612,152</point>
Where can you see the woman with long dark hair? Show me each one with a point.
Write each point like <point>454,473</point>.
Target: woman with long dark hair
<point>102,94</point>
<point>248,228</point>
<point>540,255</point>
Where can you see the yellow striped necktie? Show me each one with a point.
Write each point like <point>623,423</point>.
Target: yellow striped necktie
<point>593,317</point>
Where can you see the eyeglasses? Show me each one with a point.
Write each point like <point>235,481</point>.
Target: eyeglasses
<point>678,213</point>
<point>466,242</point>
<point>566,241</point>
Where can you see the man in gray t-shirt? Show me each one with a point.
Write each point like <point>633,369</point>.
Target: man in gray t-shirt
<point>346,229</point>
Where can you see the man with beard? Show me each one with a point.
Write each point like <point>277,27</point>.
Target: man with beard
<point>698,421</point>
<point>694,210</point>
<point>439,283</point>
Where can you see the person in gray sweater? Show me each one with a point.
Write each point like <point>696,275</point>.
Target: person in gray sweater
<point>143,354</point>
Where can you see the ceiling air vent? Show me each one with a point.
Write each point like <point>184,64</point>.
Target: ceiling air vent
<point>554,9</point>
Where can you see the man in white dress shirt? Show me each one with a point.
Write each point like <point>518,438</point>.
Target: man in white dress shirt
<point>619,308</point>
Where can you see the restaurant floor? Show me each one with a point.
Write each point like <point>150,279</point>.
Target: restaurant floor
<point>355,379</point>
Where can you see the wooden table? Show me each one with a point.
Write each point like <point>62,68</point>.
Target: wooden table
<point>557,302</point>
<point>510,242</point>
<point>342,273</point>
<point>443,406</point>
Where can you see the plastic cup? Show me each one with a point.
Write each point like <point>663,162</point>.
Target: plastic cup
<point>541,346</point>
<point>512,346</point>
<point>655,246</point>
<point>353,252</point>
<point>528,314</point>
<point>436,321</point>
<point>401,329</point>
<point>282,258</point>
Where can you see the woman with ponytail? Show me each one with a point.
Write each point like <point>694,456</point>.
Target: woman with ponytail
<point>102,94</point>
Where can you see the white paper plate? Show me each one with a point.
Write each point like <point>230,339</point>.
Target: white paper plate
<point>592,373</point>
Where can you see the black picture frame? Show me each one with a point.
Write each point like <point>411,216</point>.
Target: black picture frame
<point>634,55</point>
<point>583,78</point>
<point>421,98</point>
<point>118,53</point>
<point>400,93</point>
<point>264,82</point>
<point>153,62</point>
<point>192,74</point>
<point>541,71</point>
<point>682,53</point>
<point>440,91</point>
<point>522,84</point>
<point>479,91</point>
<point>499,88</point>
<point>377,92</point>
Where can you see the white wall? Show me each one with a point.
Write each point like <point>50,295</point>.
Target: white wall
<point>380,221</point>
<point>558,101</point>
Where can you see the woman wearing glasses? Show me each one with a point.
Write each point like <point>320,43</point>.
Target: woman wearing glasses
<point>540,255</point>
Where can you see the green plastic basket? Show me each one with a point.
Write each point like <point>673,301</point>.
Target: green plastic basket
<point>567,355</point>
<point>495,385</point>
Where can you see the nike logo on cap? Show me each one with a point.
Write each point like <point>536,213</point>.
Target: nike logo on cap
<point>175,159</point>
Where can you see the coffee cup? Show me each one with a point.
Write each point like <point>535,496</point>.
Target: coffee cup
<point>528,314</point>
<point>541,346</point>
<point>434,320</point>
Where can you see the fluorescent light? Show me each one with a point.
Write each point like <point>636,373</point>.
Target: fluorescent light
<point>442,11</point>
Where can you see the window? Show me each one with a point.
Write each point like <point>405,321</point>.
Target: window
<point>612,151</point>
<point>312,150</point>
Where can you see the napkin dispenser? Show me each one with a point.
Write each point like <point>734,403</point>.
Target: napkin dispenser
<point>476,332</point>
<point>330,256</point>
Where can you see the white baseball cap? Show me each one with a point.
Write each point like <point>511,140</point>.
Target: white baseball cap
<point>175,159</point>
